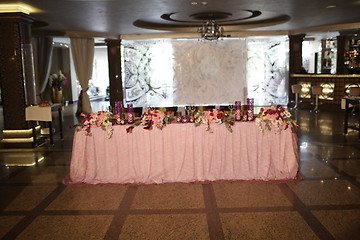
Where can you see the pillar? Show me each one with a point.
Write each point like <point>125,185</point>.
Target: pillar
<point>295,58</point>
<point>17,79</point>
<point>114,59</point>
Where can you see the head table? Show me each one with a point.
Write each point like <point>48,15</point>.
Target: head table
<point>183,153</point>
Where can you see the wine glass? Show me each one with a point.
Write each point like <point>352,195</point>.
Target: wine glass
<point>190,109</point>
<point>231,108</point>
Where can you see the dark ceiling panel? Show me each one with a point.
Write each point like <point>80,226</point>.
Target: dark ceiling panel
<point>119,16</point>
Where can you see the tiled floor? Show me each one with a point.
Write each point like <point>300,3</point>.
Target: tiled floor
<point>325,205</point>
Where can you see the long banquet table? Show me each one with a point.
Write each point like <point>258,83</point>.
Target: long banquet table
<point>183,153</point>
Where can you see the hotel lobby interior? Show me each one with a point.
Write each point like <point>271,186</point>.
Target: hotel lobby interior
<point>44,194</point>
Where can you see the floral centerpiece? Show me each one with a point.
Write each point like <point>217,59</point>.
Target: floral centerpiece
<point>57,80</point>
<point>152,117</point>
<point>275,119</point>
<point>213,116</point>
<point>100,119</point>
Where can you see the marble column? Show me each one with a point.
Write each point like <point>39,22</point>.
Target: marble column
<point>295,58</point>
<point>114,59</point>
<point>16,68</point>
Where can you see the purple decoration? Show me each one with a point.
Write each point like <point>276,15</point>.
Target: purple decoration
<point>250,109</point>
<point>130,108</point>
<point>185,118</point>
<point>250,114</point>
<point>250,104</point>
<point>237,111</point>
<point>237,114</point>
<point>130,116</point>
<point>118,107</point>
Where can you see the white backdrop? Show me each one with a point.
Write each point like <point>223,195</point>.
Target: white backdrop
<point>174,72</point>
<point>209,72</point>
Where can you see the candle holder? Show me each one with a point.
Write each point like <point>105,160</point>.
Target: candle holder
<point>185,119</point>
<point>237,111</point>
<point>178,116</point>
<point>250,109</point>
<point>243,113</point>
<point>250,115</point>
<point>122,119</point>
<point>118,111</point>
<point>118,107</point>
<point>131,117</point>
<point>117,118</point>
<point>244,118</point>
<point>192,116</point>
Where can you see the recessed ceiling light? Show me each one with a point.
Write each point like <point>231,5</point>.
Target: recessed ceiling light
<point>204,3</point>
<point>331,6</point>
<point>194,3</point>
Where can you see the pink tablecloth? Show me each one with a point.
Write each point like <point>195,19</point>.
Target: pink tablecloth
<point>183,153</point>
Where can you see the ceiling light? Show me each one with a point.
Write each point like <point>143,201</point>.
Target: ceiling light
<point>11,8</point>
<point>211,31</point>
<point>194,3</point>
<point>204,3</point>
<point>331,6</point>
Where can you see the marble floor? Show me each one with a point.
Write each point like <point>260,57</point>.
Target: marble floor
<point>34,203</point>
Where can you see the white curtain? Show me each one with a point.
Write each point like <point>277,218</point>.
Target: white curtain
<point>82,50</point>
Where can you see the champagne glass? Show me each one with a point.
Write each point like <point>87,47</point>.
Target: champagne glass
<point>231,108</point>
<point>187,109</point>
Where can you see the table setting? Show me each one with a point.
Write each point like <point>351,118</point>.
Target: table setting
<point>160,147</point>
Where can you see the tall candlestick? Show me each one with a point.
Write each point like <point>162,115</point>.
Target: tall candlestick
<point>250,108</point>
<point>117,118</point>
<point>118,112</point>
<point>237,111</point>
<point>130,114</point>
<point>118,107</point>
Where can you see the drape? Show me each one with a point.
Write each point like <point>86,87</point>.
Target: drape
<point>82,50</point>
<point>43,51</point>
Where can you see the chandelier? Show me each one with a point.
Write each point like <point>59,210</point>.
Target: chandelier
<point>211,31</point>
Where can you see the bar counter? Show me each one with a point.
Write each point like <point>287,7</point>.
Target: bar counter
<point>335,86</point>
